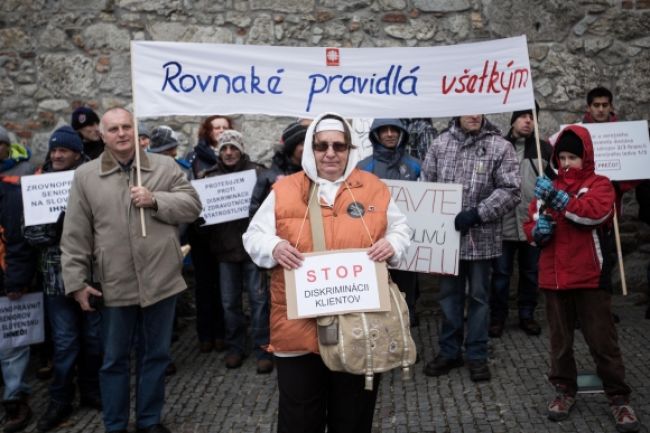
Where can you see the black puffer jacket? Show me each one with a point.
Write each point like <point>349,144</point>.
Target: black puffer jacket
<point>281,165</point>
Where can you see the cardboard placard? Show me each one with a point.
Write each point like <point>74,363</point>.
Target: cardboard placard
<point>336,282</point>
<point>21,321</point>
<point>45,196</point>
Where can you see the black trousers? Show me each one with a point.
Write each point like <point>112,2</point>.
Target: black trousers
<point>313,397</point>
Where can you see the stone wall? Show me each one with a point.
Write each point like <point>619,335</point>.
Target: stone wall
<point>57,55</point>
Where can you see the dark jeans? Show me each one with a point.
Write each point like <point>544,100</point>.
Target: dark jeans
<point>452,302</point>
<point>502,269</point>
<point>209,309</point>
<point>235,279</point>
<point>313,397</point>
<point>76,336</point>
<point>592,307</point>
<point>153,325</point>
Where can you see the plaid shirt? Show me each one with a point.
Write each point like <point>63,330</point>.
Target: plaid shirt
<point>486,165</point>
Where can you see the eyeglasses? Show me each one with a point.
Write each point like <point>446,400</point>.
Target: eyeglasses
<point>322,146</point>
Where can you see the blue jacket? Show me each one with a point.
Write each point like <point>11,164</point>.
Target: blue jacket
<point>390,163</point>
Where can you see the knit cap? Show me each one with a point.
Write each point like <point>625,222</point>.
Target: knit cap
<point>292,136</point>
<point>4,136</point>
<point>65,137</point>
<point>230,137</point>
<point>516,114</point>
<point>83,116</point>
<point>569,142</point>
<point>162,138</point>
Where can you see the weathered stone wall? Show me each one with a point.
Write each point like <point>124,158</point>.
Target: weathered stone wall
<point>57,55</point>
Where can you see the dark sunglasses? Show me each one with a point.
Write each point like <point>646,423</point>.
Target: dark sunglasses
<point>322,146</point>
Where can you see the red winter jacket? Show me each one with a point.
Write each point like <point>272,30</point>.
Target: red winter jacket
<point>574,256</point>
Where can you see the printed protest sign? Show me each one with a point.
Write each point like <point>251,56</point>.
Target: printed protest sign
<point>227,197</point>
<point>174,78</point>
<point>430,209</point>
<point>21,321</point>
<point>336,282</point>
<point>621,149</point>
<point>45,196</point>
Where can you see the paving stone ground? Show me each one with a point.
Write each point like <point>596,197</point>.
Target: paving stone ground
<point>204,397</point>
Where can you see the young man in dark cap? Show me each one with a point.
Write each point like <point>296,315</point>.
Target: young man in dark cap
<point>522,137</point>
<point>86,122</point>
<point>573,274</point>
<point>75,333</point>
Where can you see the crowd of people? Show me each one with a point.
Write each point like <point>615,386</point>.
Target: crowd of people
<point>109,290</point>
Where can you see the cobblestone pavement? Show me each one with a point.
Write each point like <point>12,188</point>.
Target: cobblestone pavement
<point>205,397</point>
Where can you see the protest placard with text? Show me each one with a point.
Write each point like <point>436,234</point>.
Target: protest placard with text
<point>45,196</point>
<point>21,321</point>
<point>227,197</point>
<point>336,282</point>
<point>621,149</point>
<point>430,209</point>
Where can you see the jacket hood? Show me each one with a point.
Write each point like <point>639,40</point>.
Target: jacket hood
<point>587,118</point>
<point>588,164</point>
<point>17,153</point>
<point>308,159</point>
<point>373,134</point>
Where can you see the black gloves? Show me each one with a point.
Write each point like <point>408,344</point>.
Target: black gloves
<point>467,219</point>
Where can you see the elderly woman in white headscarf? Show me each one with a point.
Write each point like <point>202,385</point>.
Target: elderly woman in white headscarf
<point>357,212</point>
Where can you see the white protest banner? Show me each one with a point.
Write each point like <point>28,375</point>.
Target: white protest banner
<point>362,128</point>
<point>174,78</point>
<point>430,209</point>
<point>336,282</point>
<point>45,196</point>
<point>21,321</point>
<point>227,197</point>
<point>621,149</point>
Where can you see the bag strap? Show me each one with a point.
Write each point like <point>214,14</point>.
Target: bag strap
<point>316,221</point>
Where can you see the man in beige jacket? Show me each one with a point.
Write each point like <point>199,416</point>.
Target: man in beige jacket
<point>139,276</point>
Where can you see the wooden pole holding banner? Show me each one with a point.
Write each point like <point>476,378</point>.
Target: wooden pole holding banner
<point>137,147</point>
<point>619,252</point>
<point>540,166</point>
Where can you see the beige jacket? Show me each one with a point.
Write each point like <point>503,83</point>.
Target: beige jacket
<point>102,234</point>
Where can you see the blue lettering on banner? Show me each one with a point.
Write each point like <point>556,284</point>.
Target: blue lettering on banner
<point>179,82</point>
<point>392,83</point>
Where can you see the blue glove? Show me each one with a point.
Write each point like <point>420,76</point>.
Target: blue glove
<point>466,219</point>
<point>543,229</point>
<point>558,200</point>
<point>543,188</point>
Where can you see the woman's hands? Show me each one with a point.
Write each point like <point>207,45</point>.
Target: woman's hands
<point>287,256</point>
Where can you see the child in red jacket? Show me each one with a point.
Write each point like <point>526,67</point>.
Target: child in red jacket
<point>568,223</point>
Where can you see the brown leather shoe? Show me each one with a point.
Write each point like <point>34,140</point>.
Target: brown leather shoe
<point>206,346</point>
<point>234,360</point>
<point>264,366</point>
<point>219,345</point>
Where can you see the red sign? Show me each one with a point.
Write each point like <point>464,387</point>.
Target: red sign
<point>332,56</point>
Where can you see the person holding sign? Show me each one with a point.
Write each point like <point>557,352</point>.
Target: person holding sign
<point>473,153</point>
<point>236,270</point>
<point>357,209</point>
<point>75,333</point>
<point>389,160</point>
<point>522,137</point>
<point>18,265</point>
<point>140,276</point>
<point>573,274</point>
<point>210,327</point>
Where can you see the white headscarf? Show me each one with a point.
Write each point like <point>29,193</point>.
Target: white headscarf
<point>327,189</point>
